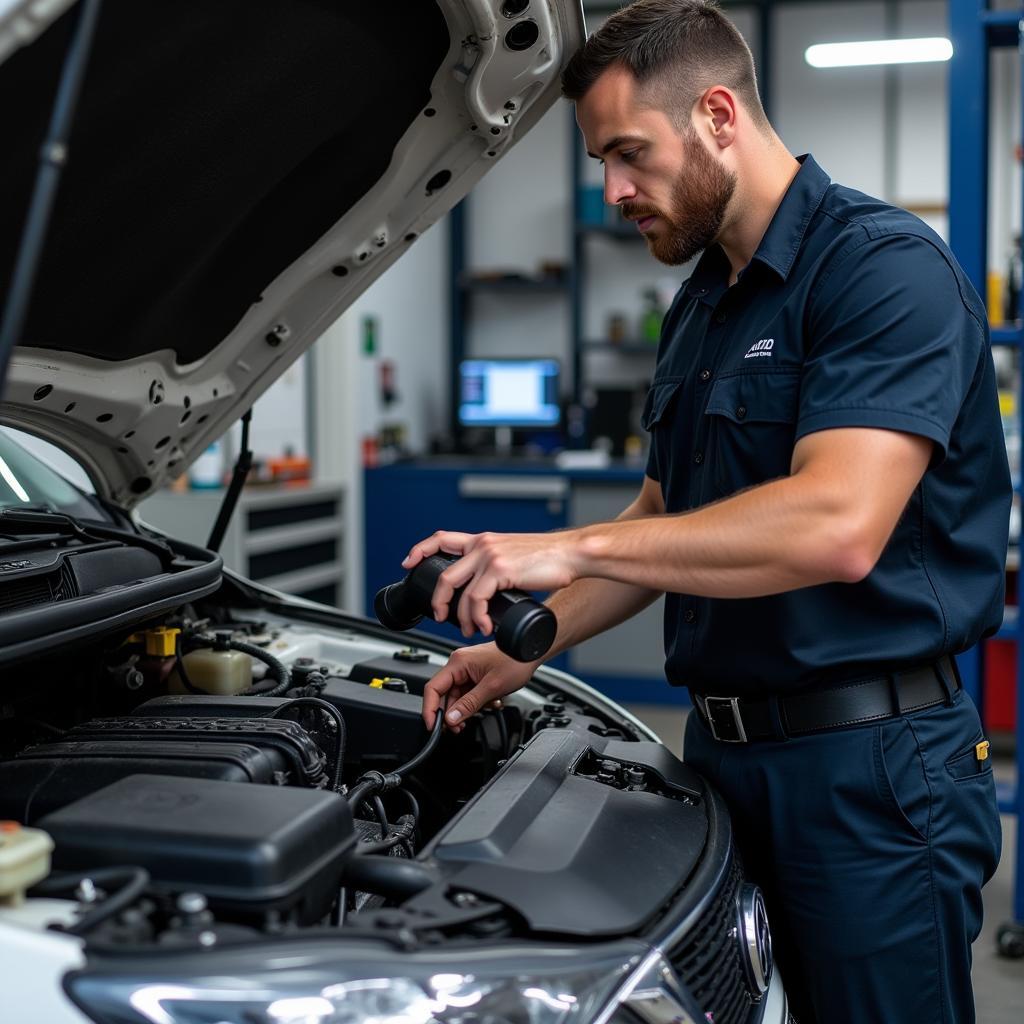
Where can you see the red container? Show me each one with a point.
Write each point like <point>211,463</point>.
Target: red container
<point>1000,692</point>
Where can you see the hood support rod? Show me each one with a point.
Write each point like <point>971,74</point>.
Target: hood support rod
<point>241,471</point>
<point>52,158</point>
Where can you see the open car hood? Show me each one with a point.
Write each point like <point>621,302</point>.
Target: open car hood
<point>239,173</point>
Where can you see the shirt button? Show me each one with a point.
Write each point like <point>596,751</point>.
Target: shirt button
<point>689,615</point>
<point>741,411</point>
<point>705,376</point>
<point>698,457</point>
<point>700,291</point>
<point>720,318</point>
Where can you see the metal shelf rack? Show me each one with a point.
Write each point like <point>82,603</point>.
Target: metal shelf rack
<point>975,29</point>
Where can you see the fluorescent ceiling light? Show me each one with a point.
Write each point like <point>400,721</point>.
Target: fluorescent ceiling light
<point>878,51</point>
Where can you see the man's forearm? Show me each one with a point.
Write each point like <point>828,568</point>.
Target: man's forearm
<point>588,607</point>
<point>777,537</point>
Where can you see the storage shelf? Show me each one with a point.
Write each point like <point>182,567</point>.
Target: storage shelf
<point>631,348</point>
<point>305,579</point>
<point>291,536</point>
<point>1008,336</point>
<point>1002,27</point>
<point>513,284</point>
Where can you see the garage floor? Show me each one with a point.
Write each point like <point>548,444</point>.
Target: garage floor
<point>998,982</point>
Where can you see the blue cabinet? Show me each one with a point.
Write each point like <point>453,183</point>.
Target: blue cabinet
<point>408,502</point>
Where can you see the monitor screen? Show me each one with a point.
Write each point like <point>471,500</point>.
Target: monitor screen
<point>508,393</point>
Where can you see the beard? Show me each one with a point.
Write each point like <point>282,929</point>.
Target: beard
<point>700,196</point>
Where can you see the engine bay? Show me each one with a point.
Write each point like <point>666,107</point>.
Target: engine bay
<point>234,774</point>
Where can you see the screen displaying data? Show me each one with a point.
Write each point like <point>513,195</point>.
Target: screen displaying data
<point>508,393</point>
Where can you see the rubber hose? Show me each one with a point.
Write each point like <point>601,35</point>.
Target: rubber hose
<point>133,883</point>
<point>277,668</point>
<point>389,876</point>
<point>428,749</point>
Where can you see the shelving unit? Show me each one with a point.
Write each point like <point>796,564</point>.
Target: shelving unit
<point>582,233</point>
<point>975,30</point>
<point>462,288</point>
<point>286,537</point>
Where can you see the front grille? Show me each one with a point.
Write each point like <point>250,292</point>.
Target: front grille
<point>708,959</point>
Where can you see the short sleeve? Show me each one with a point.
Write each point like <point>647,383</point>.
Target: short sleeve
<point>891,343</point>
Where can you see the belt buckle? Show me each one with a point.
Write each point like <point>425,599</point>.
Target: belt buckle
<point>732,724</point>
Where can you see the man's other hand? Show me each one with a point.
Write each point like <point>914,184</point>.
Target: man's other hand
<point>473,678</point>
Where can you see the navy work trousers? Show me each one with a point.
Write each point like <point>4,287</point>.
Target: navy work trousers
<point>871,844</point>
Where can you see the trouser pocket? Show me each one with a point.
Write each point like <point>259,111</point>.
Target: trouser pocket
<point>901,778</point>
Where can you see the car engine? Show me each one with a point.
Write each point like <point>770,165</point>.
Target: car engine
<point>245,765</point>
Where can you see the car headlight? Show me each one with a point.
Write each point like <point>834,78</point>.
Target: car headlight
<point>555,985</point>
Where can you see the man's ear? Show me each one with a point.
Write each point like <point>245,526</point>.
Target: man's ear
<point>717,109</point>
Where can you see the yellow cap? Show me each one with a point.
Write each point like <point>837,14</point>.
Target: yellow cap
<point>376,684</point>
<point>161,642</point>
<point>981,750</point>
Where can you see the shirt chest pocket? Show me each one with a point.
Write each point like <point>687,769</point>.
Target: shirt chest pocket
<point>659,398</point>
<point>751,421</point>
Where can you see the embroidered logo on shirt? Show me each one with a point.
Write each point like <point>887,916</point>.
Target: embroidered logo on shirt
<point>761,348</point>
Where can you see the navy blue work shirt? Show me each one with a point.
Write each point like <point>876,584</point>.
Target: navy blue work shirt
<point>852,313</point>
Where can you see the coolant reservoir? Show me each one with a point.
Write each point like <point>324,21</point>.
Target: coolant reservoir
<point>221,672</point>
<point>24,860</point>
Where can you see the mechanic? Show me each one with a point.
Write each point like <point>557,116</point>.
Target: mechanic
<point>825,507</point>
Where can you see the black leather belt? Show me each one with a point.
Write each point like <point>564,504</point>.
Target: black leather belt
<point>743,719</point>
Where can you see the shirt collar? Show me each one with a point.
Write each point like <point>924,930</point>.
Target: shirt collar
<point>782,240</point>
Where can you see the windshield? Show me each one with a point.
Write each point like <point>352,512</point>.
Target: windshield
<point>27,481</point>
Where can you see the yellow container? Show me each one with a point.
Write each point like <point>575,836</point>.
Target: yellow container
<point>218,672</point>
<point>995,298</point>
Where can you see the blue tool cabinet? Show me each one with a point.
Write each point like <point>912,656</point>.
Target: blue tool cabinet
<point>975,29</point>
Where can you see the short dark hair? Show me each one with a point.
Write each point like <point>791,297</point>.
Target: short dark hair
<point>685,45</point>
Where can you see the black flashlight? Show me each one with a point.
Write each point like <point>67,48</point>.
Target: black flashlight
<point>524,628</point>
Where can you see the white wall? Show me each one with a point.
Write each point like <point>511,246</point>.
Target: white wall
<point>409,304</point>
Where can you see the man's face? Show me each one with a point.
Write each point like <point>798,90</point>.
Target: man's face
<point>668,184</point>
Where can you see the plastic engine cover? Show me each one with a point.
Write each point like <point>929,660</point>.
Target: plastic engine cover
<point>248,849</point>
<point>572,853</point>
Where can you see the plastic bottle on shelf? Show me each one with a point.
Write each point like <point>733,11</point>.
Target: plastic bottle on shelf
<point>1011,291</point>
<point>208,470</point>
<point>650,319</point>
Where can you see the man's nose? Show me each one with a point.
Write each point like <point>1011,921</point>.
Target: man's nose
<point>617,188</point>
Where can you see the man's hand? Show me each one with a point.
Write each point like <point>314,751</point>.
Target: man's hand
<point>472,679</point>
<point>496,561</point>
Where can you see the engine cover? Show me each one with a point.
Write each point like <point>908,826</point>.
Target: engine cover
<point>251,850</point>
<point>550,835</point>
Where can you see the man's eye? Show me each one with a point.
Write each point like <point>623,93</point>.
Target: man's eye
<point>629,155</point>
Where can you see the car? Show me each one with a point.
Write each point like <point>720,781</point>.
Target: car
<point>220,802</point>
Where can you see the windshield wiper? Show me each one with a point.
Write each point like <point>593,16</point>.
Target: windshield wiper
<point>43,523</point>
<point>36,519</point>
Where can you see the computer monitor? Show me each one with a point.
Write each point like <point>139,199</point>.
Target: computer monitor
<point>506,393</point>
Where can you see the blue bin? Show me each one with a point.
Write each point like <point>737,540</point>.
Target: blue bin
<point>592,204</point>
